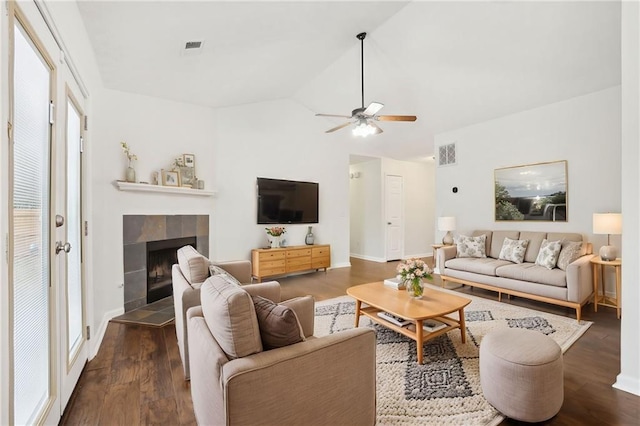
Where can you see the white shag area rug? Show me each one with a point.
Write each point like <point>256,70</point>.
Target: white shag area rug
<point>445,390</point>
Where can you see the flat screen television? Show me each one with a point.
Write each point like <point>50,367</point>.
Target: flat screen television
<point>287,201</point>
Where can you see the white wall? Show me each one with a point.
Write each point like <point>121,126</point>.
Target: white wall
<point>367,207</point>
<point>282,140</point>
<point>157,131</point>
<point>629,377</point>
<point>366,212</point>
<point>585,131</point>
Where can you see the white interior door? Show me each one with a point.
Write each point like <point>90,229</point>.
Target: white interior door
<point>69,237</point>
<point>394,243</point>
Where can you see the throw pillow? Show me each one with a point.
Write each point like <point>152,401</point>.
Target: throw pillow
<point>548,254</point>
<point>471,246</point>
<point>571,251</point>
<point>513,250</point>
<point>216,270</point>
<point>278,324</point>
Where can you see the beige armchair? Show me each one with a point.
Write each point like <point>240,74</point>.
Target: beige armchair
<point>319,381</point>
<point>187,276</point>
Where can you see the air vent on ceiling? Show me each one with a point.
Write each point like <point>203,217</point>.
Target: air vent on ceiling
<point>447,154</point>
<point>192,47</point>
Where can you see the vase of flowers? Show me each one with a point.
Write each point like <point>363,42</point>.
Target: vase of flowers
<point>275,234</point>
<point>411,272</point>
<point>131,172</point>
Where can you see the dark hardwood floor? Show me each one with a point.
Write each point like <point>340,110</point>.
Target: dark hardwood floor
<point>136,378</point>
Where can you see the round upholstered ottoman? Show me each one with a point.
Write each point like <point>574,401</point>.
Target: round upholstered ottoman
<point>521,374</point>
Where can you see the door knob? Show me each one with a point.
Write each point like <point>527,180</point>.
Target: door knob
<point>388,223</point>
<point>66,247</point>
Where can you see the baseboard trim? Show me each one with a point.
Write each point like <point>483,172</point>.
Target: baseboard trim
<point>627,384</point>
<point>418,256</point>
<point>370,258</point>
<point>98,335</point>
<point>341,265</point>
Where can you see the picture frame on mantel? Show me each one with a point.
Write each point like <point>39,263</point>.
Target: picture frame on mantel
<point>532,192</point>
<point>189,160</point>
<point>170,178</point>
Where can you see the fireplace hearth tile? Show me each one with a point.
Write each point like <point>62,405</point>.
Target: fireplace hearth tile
<point>154,229</point>
<point>202,226</point>
<point>203,245</point>
<point>135,285</point>
<point>174,227</point>
<point>189,225</point>
<point>132,228</point>
<point>135,304</point>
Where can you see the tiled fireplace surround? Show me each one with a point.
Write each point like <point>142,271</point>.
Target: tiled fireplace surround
<point>137,230</point>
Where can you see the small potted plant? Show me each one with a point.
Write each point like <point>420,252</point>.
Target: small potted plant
<point>275,233</point>
<point>411,272</point>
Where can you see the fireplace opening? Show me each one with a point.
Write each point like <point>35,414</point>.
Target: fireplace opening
<point>161,256</point>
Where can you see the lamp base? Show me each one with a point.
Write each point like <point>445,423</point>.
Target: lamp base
<point>447,240</point>
<point>608,253</point>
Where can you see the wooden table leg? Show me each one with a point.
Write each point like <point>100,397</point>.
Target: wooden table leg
<point>358,305</point>
<point>419,340</point>
<point>595,287</point>
<point>463,327</point>
<point>618,288</point>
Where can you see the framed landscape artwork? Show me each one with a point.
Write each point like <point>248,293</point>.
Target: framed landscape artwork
<point>532,192</point>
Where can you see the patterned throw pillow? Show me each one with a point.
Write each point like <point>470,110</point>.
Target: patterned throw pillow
<point>471,246</point>
<point>571,251</point>
<point>513,250</point>
<point>548,254</point>
<point>216,270</point>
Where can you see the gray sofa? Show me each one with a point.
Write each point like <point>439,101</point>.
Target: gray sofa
<point>572,287</point>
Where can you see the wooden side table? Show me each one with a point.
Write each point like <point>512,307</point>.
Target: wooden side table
<point>599,266</point>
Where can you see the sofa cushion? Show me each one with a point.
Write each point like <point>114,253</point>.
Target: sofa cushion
<point>484,266</point>
<point>548,254</point>
<point>533,273</point>
<point>193,265</point>
<point>533,248</point>
<point>498,238</point>
<point>216,270</point>
<point>279,325</point>
<point>571,250</point>
<point>231,317</point>
<point>471,246</point>
<point>513,250</point>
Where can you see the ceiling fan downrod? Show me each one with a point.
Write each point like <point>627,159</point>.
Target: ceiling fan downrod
<point>361,37</point>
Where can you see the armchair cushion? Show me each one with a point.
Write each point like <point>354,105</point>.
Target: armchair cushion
<point>193,265</point>
<point>231,317</point>
<point>279,325</point>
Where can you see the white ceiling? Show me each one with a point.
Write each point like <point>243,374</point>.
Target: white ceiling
<point>450,63</point>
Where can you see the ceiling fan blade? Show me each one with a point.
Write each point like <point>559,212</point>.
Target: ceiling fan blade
<point>338,127</point>
<point>373,108</point>
<point>333,115</point>
<point>378,129</point>
<point>396,117</point>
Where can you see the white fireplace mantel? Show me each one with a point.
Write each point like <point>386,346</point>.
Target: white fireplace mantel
<point>143,187</point>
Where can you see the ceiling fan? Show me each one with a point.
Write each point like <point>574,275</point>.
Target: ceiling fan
<point>364,118</point>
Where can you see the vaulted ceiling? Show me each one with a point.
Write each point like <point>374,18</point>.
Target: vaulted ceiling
<point>450,63</point>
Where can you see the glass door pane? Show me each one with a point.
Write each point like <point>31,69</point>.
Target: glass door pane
<point>74,233</point>
<point>30,276</point>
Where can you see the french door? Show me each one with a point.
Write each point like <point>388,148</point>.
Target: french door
<point>47,344</point>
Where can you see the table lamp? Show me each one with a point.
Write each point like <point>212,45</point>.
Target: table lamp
<point>607,223</point>
<point>447,223</point>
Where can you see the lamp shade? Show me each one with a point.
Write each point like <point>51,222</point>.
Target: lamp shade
<point>446,223</point>
<point>607,223</point>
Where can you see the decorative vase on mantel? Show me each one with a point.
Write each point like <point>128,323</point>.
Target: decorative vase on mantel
<point>131,173</point>
<point>309,239</point>
<point>415,288</point>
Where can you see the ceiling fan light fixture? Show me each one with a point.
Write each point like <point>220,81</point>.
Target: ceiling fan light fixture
<point>364,129</point>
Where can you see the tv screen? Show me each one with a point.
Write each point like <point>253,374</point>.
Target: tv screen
<point>287,201</point>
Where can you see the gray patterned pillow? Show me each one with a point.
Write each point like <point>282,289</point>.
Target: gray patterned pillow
<point>513,250</point>
<point>471,246</point>
<point>548,254</point>
<point>216,270</point>
<point>571,251</point>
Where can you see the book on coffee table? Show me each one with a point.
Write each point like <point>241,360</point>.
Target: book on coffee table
<point>395,283</point>
<point>432,325</point>
<point>399,321</point>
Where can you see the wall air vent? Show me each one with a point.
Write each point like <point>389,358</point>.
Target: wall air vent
<point>447,154</point>
<point>192,47</point>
